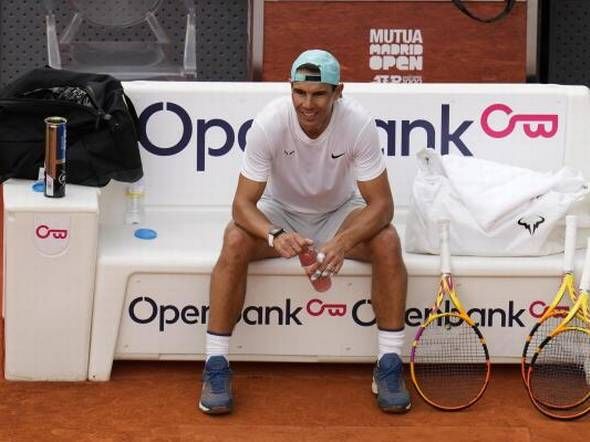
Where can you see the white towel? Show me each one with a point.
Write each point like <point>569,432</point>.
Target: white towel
<point>494,209</point>
<point>490,190</point>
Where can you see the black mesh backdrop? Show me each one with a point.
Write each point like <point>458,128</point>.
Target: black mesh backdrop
<point>565,42</point>
<point>222,35</point>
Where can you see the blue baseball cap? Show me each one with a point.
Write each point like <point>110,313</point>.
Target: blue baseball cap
<point>323,60</point>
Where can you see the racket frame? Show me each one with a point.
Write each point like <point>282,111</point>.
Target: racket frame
<point>567,285</point>
<point>580,309</point>
<point>446,289</point>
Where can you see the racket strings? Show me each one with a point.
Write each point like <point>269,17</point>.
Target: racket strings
<point>450,363</point>
<point>544,329</point>
<point>560,373</point>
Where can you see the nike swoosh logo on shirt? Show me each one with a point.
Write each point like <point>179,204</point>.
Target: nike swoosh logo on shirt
<point>337,156</point>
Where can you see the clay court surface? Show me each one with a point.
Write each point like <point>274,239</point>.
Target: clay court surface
<point>156,401</point>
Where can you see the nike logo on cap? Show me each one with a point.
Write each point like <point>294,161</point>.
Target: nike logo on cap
<point>337,155</point>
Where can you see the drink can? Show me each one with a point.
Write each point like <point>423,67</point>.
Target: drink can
<point>55,157</point>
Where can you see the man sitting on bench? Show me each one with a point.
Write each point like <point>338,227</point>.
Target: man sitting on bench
<point>328,189</point>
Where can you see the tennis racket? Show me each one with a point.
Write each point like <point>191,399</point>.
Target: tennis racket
<point>559,374</point>
<point>554,313</point>
<point>449,361</point>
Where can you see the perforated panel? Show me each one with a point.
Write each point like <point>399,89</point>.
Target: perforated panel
<point>222,35</point>
<point>566,41</point>
<point>222,40</point>
<point>22,37</point>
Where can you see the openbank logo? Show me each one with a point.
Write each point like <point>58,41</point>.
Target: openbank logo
<point>51,233</point>
<point>44,231</point>
<point>538,308</point>
<point>444,133</point>
<point>546,124</point>
<point>201,127</point>
<point>146,311</point>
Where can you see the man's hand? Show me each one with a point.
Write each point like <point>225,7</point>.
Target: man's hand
<point>330,258</point>
<point>290,244</point>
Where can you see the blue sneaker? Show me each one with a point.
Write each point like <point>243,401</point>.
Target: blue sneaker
<point>389,385</point>
<point>216,395</point>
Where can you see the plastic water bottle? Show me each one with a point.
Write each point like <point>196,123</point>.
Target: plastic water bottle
<point>135,203</point>
<point>308,258</point>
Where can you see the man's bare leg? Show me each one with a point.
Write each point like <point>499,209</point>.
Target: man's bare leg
<point>228,279</point>
<point>226,300</point>
<point>388,297</point>
<point>389,278</point>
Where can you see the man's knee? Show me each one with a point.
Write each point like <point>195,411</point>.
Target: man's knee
<point>238,245</point>
<point>386,245</point>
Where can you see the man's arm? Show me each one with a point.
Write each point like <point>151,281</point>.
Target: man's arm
<point>371,219</point>
<point>247,216</point>
<point>363,224</point>
<point>244,210</point>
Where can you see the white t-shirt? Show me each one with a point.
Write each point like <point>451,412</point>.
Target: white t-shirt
<point>312,175</point>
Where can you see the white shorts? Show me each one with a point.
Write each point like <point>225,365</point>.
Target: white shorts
<point>320,227</point>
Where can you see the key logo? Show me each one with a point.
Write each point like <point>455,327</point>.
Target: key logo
<point>316,307</point>
<point>533,125</point>
<point>51,234</point>
<point>44,231</point>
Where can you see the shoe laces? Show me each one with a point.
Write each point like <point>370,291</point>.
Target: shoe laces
<point>217,378</point>
<point>390,376</point>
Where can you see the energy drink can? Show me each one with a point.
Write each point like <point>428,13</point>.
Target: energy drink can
<point>55,157</point>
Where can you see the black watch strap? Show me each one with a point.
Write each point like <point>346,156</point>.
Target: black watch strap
<point>273,233</point>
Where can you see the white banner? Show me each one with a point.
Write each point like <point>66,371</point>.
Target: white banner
<point>193,133</point>
<point>166,315</point>
<point>192,139</point>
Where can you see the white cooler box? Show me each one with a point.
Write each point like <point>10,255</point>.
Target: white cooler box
<point>49,262</point>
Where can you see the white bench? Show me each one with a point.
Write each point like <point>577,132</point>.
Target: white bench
<point>151,296</point>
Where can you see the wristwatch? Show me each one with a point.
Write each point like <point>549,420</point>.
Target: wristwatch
<point>273,233</point>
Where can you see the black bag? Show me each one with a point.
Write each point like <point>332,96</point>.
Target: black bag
<point>509,4</point>
<point>101,130</point>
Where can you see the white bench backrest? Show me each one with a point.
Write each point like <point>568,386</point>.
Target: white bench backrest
<point>194,132</point>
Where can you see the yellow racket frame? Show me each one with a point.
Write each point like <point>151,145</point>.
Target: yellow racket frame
<point>567,285</point>
<point>580,310</point>
<point>446,287</point>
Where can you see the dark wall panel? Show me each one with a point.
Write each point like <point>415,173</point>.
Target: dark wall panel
<point>565,42</point>
<point>222,36</point>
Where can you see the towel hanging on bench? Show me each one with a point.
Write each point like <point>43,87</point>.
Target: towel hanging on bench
<point>494,209</point>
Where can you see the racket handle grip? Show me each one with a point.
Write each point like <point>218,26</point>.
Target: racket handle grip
<point>445,253</point>
<point>585,279</point>
<point>569,251</point>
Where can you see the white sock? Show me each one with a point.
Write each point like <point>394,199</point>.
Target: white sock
<point>217,345</point>
<point>390,342</point>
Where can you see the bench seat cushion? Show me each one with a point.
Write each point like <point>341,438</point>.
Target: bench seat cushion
<point>194,247</point>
